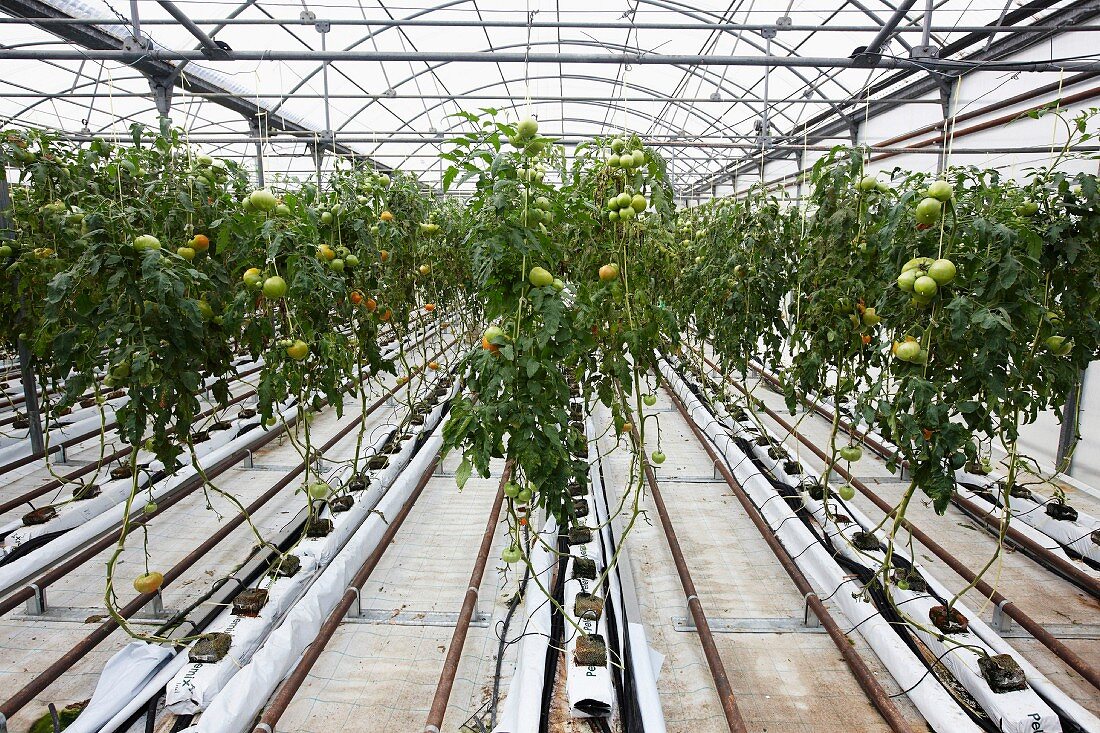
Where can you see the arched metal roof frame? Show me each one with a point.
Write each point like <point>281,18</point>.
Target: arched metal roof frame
<point>577,77</point>
<point>669,5</point>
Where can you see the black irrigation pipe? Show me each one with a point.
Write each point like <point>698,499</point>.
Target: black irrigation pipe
<point>39,683</point>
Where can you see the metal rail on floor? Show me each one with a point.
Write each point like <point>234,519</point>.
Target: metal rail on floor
<point>878,696</point>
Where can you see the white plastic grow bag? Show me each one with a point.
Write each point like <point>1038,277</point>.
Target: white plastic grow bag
<point>26,566</point>
<point>1054,534</point>
<point>588,688</point>
<point>193,688</point>
<point>522,709</point>
<point>235,707</point>
<point>940,710</point>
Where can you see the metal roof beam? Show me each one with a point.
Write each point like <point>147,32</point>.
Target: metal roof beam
<point>97,40</point>
<point>209,45</point>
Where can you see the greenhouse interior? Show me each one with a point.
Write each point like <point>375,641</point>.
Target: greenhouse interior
<point>486,366</point>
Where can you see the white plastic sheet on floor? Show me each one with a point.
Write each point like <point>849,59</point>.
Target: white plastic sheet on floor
<point>235,707</point>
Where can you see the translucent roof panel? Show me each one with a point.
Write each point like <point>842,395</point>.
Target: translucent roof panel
<point>399,110</point>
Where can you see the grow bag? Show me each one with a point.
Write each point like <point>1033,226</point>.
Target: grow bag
<point>928,695</point>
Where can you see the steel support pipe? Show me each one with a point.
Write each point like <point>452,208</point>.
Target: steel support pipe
<point>1044,637</point>
<point>290,686</point>
<point>582,25</point>
<point>734,721</point>
<point>878,696</point>
<point>511,57</point>
<point>442,696</point>
<point>209,47</point>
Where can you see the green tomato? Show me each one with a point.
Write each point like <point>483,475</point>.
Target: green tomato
<point>908,350</point>
<point>527,127</point>
<point>925,285</point>
<point>613,215</point>
<point>319,490</point>
<point>150,507</point>
<point>5,250</point>
<point>351,261</point>
<point>626,213</point>
<point>263,199</point>
<point>846,492</point>
<point>867,183</point>
<point>511,555</point>
<point>851,453</point>
<point>186,253</point>
<point>282,210</point>
<point>540,277</point>
<point>337,265</point>
<point>524,496</point>
<point>274,287</point>
<point>649,399</point>
<point>929,210</point>
<point>906,280</point>
<point>511,489</point>
<point>558,284</point>
<point>326,217</point>
<point>657,457</point>
<point>614,161</point>
<point>1054,343</point>
<point>942,271</point>
<point>618,145</point>
<point>638,203</point>
<point>146,242</point>
<point>940,190</point>
<point>871,318</point>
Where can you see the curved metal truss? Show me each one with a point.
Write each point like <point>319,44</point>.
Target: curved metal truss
<point>358,80</point>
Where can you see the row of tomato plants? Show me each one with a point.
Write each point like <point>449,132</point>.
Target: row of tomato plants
<point>946,313</point>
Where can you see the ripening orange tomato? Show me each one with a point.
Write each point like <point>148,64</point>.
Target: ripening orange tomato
<point>386,216</point>
<point>356,297</point>
<point>429,307</point>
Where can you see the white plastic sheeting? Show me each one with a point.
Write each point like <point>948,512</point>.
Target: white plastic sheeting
<point>522,709</point>
<point>124,675</point>
<point>940,710</point>
<point>195,686</point>
<point>235,707</point>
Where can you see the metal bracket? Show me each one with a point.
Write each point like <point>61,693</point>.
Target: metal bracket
<point>36,604</point>
<point>924,52</point>
<point>355,610</point>
<point>768,33</point>
<point>784,21</point>
<point>163,89</point>
<point>155,607</point>
<point>323,26</point>
<point>809,618</point>
<point>1001,620</point>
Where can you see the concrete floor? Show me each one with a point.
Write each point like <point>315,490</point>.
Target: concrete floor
<point>380,673</point>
